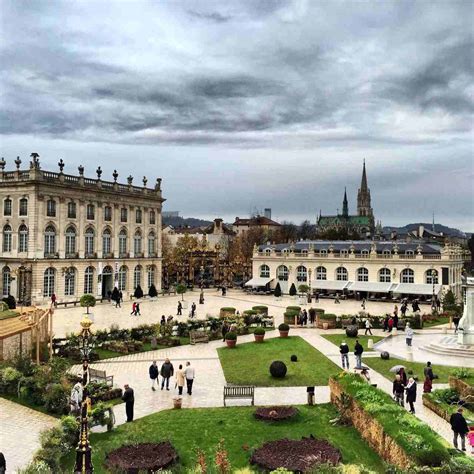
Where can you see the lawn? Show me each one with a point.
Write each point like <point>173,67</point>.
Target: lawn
<point>204,428</point>
<point>248,364</point>
<point>338,338</point>
<point>435,322</point>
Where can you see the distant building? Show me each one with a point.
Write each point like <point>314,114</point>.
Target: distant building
<point>267,212</point>
<point>168,214</point>
<point>241,226</point>
<point>363,223</point>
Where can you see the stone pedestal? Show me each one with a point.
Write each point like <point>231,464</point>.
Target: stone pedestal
<point>466,325</point>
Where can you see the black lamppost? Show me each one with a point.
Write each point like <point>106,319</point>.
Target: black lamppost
<point>83,450</point>
<point>434,276</point>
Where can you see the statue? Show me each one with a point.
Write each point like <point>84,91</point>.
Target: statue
<point>466,324</point>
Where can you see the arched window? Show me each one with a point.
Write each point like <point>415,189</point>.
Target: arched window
<point>107,213</point>
<point>7,238</point>
<point>122,278</point>
<point>386,253</point>
<point>71,210</point>
<point>343,252</point>
<point>106,242</point>
<point>407,276</point>
<point>7,207</point>
<point>151,275</point>
<point>70,241</point>
<point>385,276</point>
<point>137,276</point>
<point>89,281</point>
<point>23,238</point>
<point>89,237</point>
<point>70,282</point>
<point>151,244</point>
<point>409,252</point>
<point>321,273</point>
<point>282,273</point>
<point>138,216</point>
<point>264,271</point>
<point>268,251</point>
<point>122,243</point>
<point>362,274</point>
<point>49,281</point>
<point>341,274</point>
<point>90,212</point>
<point>152,217</point>
<point>301,274</point>
<point>50,240</point>
<point>6,281</point>
<point>51,208</point>
<point>364,252</point>
<point>431,277</point>
<point>323,252</point>
<point>137,243</point>
<point>23,210</point>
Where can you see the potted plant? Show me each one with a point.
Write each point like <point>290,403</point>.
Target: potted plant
<point>177,402</point>
<point>87,301</point>
<point>231,339</point>
<point>284,329</point>
<point>259,334</point>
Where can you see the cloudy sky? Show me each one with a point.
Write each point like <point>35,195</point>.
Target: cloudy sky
<point>241,105</point>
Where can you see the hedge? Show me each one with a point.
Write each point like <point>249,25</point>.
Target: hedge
<point>261,309</point>
<point>293,308</point>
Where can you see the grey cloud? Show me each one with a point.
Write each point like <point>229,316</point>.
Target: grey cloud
<point>215,17</point>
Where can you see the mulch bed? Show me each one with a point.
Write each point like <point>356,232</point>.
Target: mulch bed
<point>294,455</point>
<point>141,457</point>
<point>275,413</point>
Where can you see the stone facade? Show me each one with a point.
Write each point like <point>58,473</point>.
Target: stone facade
<point>70,235</point>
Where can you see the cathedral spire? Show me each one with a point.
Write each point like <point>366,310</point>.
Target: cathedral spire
<point>363,184</point>
<point>345,205</point>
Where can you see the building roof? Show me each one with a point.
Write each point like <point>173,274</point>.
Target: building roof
<point>343,220</point>
<point>255,221</point>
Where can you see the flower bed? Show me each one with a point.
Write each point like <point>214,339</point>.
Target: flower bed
<point>445,402</point>
<point>462,386</point>
<point>277,413</point>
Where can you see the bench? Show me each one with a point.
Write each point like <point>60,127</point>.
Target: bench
<point>198,336</point>
<point>239,391</point>
<point>101,376</point>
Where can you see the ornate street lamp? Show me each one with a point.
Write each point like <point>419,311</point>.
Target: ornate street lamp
<point>434,276</point>
<point>83,450</point>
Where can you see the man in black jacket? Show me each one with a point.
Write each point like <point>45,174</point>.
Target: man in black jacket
<point>129,399</point>
<point>167,371</point>
<point>153,371</point>
<point>344,350</point>
<point>460,428</point>
<point>358,350</point>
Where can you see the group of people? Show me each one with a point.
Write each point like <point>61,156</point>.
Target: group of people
<point>192,313</point>
<point>404,386</point>
<point>358,351</point>
<point>303,318</point>
<point>135,309</point>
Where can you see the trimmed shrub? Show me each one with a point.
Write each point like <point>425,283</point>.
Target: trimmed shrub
<point>303,288</point>
<point>138,293</point>
<point>231,336</point>
<point>277,290</point>
<point>292,291</point>
<point>87,301</point>
<point>278,369</point>
<point>259,331</point>
<point>294,308</point>
<point>283,327</point>
<point>152,293</point>
<point>261,309</point>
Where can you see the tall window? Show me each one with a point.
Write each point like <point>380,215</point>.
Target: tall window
<point>90,212</point>
<point>50,240</point>
<point>51,208</point>
<point>138,216</point>
<point>151,275</point>
<point>23,210</point>
<point>122,278</point>
<point>123,214</point>
<point>23,238</point>
<point>71,210</point>
<point>89,280</point>
<point>137,243</point>
<point>89,236</point>
<point>6,281</point>
<point>151,244</point>
<point>407,276</point>
<point>7,238</point>
<point>106,242</point>
<point>137,276</point>
<point>282,273</point>
<point>107,213</point>
<point>70,282</point>
<point>152,218</point>
<point>362,274</point>
<point>7,207</point>
<point>70,241</point>
<point>321,273</point>
<point>431,277</point>
<point>122,242</point>
<point>385,275</point>
<point>49,281</point>
<point>301,274</point>
<point>341,274</point>
<point>264,271</point>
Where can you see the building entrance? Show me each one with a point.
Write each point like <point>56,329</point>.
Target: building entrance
<point>107,281</point>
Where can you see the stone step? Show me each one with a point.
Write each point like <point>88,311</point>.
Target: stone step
<point>449,350</point>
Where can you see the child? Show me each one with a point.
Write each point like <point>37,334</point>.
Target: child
<point>470,437</point>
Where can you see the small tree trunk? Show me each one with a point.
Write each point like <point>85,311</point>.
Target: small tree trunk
<point>87,309</point>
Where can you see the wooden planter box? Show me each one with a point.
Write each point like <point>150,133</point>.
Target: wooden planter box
<point>226,314</point>
<point>462,387</point>
<point>331,323</point>
<point>438,409</point>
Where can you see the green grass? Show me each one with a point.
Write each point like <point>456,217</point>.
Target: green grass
<point>27,403</point>
<point>435,322</point>
<point>8,314</point>
<point>383,367</point>
<point>204,428</point>
<point>338,338</point>
<point>249,363</point>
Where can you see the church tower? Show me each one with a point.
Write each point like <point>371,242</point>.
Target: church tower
<point>345,205</point>
<point>364,207</point>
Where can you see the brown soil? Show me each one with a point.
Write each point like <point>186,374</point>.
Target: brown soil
<point>141,457</point>
<point>298,456</point>
<point>275,413</point>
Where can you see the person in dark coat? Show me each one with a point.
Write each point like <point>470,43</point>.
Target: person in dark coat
<point>358,350</point>
<point>385,322</point>
<point>129,399</point>
<point>395,321</point>
<point>3,464</point>
<point>428,371</point>
<point>193,310</point>
<point>411,394</point>
<point>305,317</point>
<point>153,371</point>
<point>344,350</point>
<point>398,390</point>
<point>427,385</point>
<point>403,309</point>
<point>403,376</point>
<point>225,330</point>
<point>460,428</point>
<point>201,297</point>
<point>456,320</point>
<point>180,309</point>
<point>166,372</point>
<point>137,310</point>
<point>163,320</point>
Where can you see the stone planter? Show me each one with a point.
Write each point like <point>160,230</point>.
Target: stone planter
<point>259,337</point>
<point>177,403</point>
<point>284,333</point>
<point>325,325</point>
<point>230,344</point>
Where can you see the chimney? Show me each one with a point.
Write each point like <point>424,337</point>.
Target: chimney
<point>267,212</point>
<point>421,231</point>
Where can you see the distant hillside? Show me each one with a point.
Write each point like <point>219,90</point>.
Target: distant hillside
<point>438,228</point>
<point>185,222</point>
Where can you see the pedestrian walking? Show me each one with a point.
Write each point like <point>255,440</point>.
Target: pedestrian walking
<point>398,390</point>
<point>120,296</point>
<point>53,299</point>
<point>180,379</point>
<point>358,350</point>
<point>305,317</point>
<point>460,429</point>
<point>193,310</point>
<point>428,371</point>
<point>312,316</point>
<point>427,385</point>
<point>411,394</point>
<point>385,322</point>
<point>129,398</point>
<point>225,330</point>
<point>137,310</point>
<point>415,306</point>
<point>408,334</point>
<point>390,324</point>
<point>201,297</point>
<point>163,320</point>
<point>153,371</point>
<point>344,350</point>
<point>180,309</point>
<point>189,375</point>
<point>166,372</point>
<point>363,304</point>
<point>403,309</point>
<point>456,320</point>
<point>438,304</point>
<point>395,311</point>
<point>336,299</point>
<point>134,309</point>
<point>403,376</point>
<point>368,327</point>
<point>316,297</point>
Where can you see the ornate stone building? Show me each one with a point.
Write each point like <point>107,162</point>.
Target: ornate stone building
<point>70,235</point>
